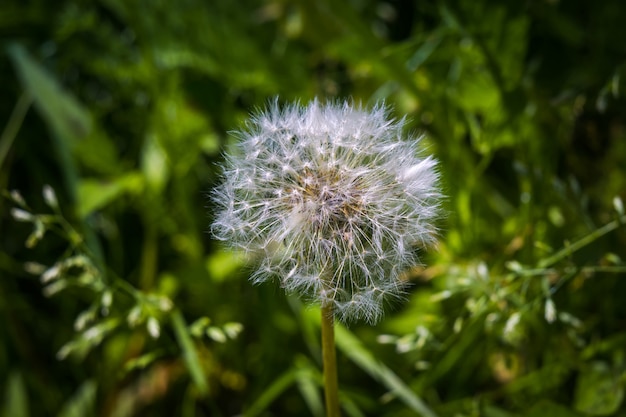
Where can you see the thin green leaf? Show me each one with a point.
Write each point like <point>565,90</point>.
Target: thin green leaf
<point>353,349</point>
<point>82,403</point>
<point>425,50</point>
<point>15,397</point>
<point>14,124</point>
<point>94,194</point>
<point>350,408</point>
<point>189,352</point>
<point>65,116</point>
<point>142,361</point>
<point>272,392</point>
<point>599,391</point>
<point>581,243</point>
<point>309,380</point>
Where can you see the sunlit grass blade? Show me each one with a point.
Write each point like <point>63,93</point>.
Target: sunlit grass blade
<point>350,408</point>
<point>272,392</point>
<point>67,117</point>
<point>15,397</point>
<point>308,379</point>
<point>13,125</point>
<point>82,403</point>
<point>189,352</point>
<point>353,349</point>
<point>581,243</point>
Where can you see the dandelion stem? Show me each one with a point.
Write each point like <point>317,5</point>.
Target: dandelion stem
<point>331,387</point>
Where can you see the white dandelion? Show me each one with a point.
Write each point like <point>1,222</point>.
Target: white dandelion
<point>333,199</point>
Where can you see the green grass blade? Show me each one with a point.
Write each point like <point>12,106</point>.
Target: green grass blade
<point>14,124</point>
<point>189,352</point>
<point>82,403</point>
<point>353,349</point>
<point>309,379</point>
<point>65,116</point>
<point>272,392</point>
<point>15,397</point>
<point>581,243</point>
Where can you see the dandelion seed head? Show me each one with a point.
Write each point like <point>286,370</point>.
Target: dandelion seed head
<point>335,201</point>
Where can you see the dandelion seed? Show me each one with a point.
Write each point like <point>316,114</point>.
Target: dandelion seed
<point>336,203</point>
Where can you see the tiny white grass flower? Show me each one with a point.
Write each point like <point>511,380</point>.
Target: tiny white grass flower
<point>233,329</point>
<point>51,273</point>
<point>34,268</point>
<point>216,334</point>
<point>64,352</point>
<point>92,333</point>
<point>54,288</point>
<point>154,328</point>
<point>619,205</point>
<point>550,311</point>
<point>134,316</point>
<point>21,215</point>
<point>511,325</point>
<point>165,304</point>
<point>105,302</point>
<point>386,339</point>
<point>50,197</point>
<point>17,197</point>
<point>107,299</point>
<point>83,319</point>
<point>334,200</point>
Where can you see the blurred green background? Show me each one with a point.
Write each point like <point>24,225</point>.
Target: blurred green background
<point>114,300</point>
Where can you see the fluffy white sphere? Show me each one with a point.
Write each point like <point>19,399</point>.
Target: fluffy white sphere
<point>334,200</point>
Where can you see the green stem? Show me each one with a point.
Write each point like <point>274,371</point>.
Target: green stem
<point>570,249</point>
<point>149,257</point>
<point>611,269</point>
<point>189,352</point>
<point>13,126</point>
<point>331,387</point>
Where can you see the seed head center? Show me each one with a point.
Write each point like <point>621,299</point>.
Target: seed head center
<point>329,200</point>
